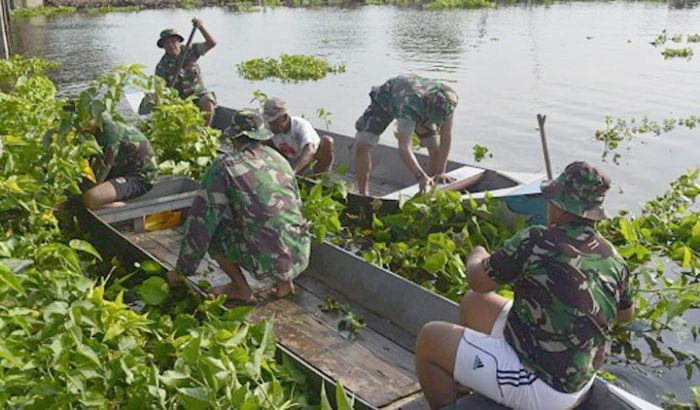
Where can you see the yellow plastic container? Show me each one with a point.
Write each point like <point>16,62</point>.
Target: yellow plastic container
<point>162,220</point>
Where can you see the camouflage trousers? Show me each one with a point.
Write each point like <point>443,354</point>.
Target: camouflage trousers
<point>376,119</point>
<point>229,243</point>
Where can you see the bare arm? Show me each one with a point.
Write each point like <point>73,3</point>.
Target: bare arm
<point>411,162</point>
<point>307,155</point>
<point>209,41</point>
<point>477,278</point>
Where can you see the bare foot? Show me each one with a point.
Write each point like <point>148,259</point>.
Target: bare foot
<point>284,288</point>
<point>234,293</point>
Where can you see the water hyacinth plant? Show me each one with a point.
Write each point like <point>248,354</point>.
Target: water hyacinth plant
<point>620,130</point>
<point>68,340</point>
<point>289,67</point>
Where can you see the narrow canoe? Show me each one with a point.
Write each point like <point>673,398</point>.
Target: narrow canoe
<point>377,363</point>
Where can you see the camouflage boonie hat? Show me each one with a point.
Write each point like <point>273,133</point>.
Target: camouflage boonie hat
<point>579,190</point>
<point>249,123</point>
<point>167,33</point>
<point>442,105</point>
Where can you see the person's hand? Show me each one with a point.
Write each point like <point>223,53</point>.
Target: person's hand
<point>425,184</point>
<point>174,278</point>
<point>444,179</point>
<point>479,250</point>
<point>196,23</point>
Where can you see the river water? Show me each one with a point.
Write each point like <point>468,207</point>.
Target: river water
<point>576,62</point>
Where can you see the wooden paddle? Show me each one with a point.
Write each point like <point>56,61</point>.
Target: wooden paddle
<point>183,55</point>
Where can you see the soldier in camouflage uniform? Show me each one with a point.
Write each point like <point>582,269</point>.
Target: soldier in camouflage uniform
<point>189,80</point>
<point>248,215</point>
<point>127,167</point>
<point>419,105</point>
<point>540,350</point>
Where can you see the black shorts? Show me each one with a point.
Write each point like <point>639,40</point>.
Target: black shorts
<point>129,187</point>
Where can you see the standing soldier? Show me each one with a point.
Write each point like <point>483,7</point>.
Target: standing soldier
<point>188,81</point>
<point>248,216</point>
<point>420,105</point>
<point>542,349</point>
<point>127,167</point>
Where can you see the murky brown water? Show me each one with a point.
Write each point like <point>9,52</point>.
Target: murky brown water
<point>576,62</point>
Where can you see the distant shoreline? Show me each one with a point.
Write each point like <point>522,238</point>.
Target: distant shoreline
<point>146,4</point>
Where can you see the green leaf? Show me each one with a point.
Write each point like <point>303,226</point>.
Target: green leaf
<point>83,246</point>
<point>194,398</point>
<point>341,399</point>
<point>151,267</point>
<point>239,313</point>
<point>87,352</point>
<point>10,279</point>
<point>435,262</point>
<point>154,290</point>
<point>325,404</point>
<point>627,230</point>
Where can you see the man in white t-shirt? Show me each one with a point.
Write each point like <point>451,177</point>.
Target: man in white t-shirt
<point>296,138</point>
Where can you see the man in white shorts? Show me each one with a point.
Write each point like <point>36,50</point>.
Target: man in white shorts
<point>540,350</point>
<point>296,139</point>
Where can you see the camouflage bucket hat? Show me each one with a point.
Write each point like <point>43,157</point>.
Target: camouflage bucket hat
<point>579,190</point>
<point>167,33</point>
<point>442,105</point>
<point>249,123</point>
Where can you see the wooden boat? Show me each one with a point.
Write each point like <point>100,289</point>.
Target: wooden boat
<point>391,181</point>
<point>377,364</point>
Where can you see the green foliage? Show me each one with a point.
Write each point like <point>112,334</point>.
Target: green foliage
<point>322,206</point>
<point>481,152</point>
<point>68,342</point>
<point>42,151</point>
<point>324,116</point>
<point>670,402</point>
<point>260,97</point>
<point>669,53</point>
<point>686,52</point>
<point>351,322</point>
<point>460,4</point>
<point>617,131</point>
<point>662,248</point>
<point>113,9</point>
<point>428,240</point>
<point>184,145</point>
<point>42,11</point>
<point>290,67</point>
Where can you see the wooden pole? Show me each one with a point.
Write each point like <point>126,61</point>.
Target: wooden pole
<point>183,55</point>
<point>4,30</point>
<point>540,121</point>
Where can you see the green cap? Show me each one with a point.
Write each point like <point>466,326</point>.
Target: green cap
<point>167,33</point>
<point>250,123</point>
<point>579,190</point>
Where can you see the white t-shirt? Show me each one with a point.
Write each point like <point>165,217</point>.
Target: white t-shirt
<point>291,143</point>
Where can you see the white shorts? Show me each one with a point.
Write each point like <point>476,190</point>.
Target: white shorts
<point>488,365</point>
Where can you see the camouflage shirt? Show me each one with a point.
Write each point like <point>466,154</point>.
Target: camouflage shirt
<point>126,152</point>
<point>190,82</point>
<point>250,212</point>
<point>569,283</point>
<point>417,99</point>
